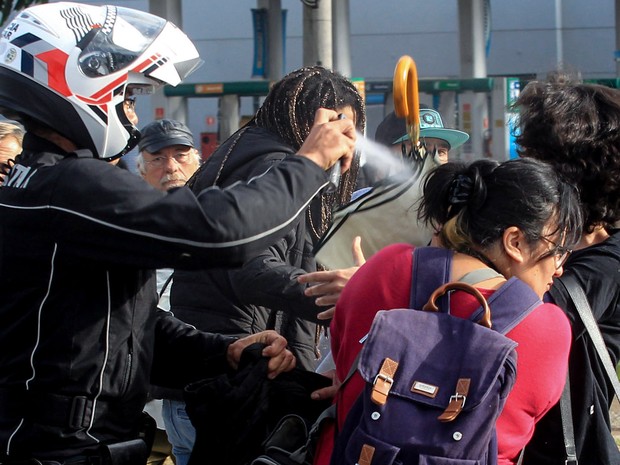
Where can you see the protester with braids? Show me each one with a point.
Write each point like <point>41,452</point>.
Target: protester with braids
<point>517,218</point>
<point>288,112</point>
<point>264,293</point>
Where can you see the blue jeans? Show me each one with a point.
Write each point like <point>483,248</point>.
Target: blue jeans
<point>181,432</point>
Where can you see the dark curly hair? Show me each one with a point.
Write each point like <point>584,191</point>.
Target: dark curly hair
<point>575,126</point>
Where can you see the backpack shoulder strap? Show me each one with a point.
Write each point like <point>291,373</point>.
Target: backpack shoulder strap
<point>510,304</point>
<point>582,305</point>
<point>479,275</point>
<point>437,263</point>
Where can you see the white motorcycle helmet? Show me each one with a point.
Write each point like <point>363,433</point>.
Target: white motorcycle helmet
<point>70,66</point>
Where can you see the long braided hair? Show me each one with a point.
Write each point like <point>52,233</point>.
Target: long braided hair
<point>288,111</point>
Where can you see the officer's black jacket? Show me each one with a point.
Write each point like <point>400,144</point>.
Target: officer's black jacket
<point>79,238</point>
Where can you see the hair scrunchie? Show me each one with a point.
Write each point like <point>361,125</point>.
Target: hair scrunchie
<point>461,189</point>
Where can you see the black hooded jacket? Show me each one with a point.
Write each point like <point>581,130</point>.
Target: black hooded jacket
<point>79,334</point>
<point>243,301</point>
<point>597,268</point>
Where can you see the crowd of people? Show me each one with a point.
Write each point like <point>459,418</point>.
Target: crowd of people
<point>120,290</point>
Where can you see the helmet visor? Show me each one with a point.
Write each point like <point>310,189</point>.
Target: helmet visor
<point>116,44</point>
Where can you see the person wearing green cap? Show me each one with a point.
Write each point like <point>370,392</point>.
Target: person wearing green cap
<point>392,131</point>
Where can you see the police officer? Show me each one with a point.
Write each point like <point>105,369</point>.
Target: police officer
<point>80,237</point>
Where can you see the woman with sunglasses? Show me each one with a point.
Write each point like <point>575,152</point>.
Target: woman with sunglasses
<point>517,219</point>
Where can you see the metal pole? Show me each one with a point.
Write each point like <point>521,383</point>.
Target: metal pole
<point>229,116</point>
<point>472,43</point>
<point>474,110</point>
<point>317,43</point>
<point>274,38</point>
<point>341,33</point>
<point>558,33</point>
<point>309,53</point>
<point>174,107</point>
<point>617,3</point>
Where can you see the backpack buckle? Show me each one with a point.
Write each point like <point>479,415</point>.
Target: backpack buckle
<point>383,382</point>
<point>457,401</point>
<point>458,398</point>
<point>384,378</point>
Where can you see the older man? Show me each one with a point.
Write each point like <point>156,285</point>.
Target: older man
<point>167,157</point>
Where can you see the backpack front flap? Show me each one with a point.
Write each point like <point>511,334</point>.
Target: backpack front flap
<point>433,352</point>
<point>435,385</point>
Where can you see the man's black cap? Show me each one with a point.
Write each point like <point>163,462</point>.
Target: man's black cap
<point>164,133</point>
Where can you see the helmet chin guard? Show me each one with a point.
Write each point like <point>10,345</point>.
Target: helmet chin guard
<point>70,66</point>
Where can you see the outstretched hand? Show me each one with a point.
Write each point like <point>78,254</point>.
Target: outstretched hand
<point>280,358</point>
<point>330,139</point>
<point>328,285</point>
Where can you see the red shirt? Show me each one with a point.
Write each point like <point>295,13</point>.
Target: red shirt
<point>384,283</point>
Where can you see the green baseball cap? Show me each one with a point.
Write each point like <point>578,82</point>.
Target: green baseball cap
<point>431,125</point>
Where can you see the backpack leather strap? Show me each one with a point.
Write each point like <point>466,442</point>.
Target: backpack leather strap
<point>383,381</point>
<point>581,304</point>
<point>366,455</point>
<point>457,401</point>
<point>580,301</point>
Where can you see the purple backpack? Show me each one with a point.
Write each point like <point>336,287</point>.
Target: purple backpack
<point>435,384</point>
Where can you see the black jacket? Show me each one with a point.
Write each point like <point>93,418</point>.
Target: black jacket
<point>241,301</point>
<point>78,240</point>
<point>597,269</point>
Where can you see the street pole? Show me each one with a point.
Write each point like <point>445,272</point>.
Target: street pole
<point>317,41</point>
<point>274,41</point>
<point>173,107</point>
<point>617,51</point>
<point>341,33</point>
<point>559,41</point>
<point>474,112</point>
